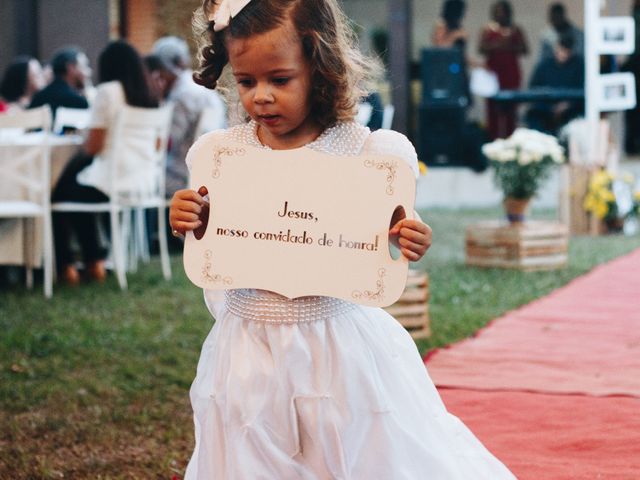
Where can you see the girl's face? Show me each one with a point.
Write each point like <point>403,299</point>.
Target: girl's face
<point>274,83</point>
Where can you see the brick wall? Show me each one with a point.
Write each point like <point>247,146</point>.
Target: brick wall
<point>142,24</point>
<point>148,20</point>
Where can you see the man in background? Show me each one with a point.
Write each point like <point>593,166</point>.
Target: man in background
<point>559,24</point>
<point>71,74</point>
<point>173,78</point>
<point>564,70</point>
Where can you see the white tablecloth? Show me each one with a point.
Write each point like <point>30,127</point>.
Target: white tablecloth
<point>12,235</point>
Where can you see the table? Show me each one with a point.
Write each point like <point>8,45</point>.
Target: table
<point>12,243</point>
<point>509,98</point>
<point>63,147</point>
<point>539,94</point>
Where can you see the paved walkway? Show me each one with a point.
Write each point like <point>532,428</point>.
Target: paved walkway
<point>553,388</point>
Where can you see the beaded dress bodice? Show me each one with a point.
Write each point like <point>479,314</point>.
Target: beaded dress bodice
<point>346,138</point>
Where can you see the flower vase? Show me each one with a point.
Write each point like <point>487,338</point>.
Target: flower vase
<point>613,225</point>
<point>516,209</point>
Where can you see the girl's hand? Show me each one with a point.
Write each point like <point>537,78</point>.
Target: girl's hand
<point>412,237</point>
<point>186,208</point>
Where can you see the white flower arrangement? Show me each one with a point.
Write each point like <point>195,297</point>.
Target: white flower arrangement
<point>523,161</point>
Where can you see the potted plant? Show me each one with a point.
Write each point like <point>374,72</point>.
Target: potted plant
<point>521,163</point>
<point>611,199</point>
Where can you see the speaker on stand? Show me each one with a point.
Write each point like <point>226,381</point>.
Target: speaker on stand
<point>445,138</point>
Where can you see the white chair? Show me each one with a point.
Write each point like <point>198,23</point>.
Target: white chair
<point>24,169</point>
<point>136,169</point>
<point>211,118</point>
<point>387,116</point>
<point>77,118</point>
<point>365,110</point>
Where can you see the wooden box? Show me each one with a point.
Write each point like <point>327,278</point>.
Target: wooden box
<point>574,181</point>
<point>533,245</point>
<point>412,309</point>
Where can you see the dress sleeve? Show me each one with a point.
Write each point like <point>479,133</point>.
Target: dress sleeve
<point>205,141</point>
<point>390,142</point>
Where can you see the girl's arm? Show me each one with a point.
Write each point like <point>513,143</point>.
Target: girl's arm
<point>412,237</point>
<point>185,209</point>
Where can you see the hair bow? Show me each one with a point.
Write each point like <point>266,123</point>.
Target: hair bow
<point>224,12</point>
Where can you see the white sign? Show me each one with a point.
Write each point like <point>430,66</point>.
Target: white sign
<point>299,222</point>
<point>616,91</point>
<point>616,35</point>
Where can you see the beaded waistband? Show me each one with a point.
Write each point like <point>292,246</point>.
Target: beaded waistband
<point>266,307</point>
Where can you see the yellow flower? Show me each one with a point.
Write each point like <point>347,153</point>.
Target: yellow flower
<point>600,179</point>
<point>601,210</point>
<point>608,196</point>
<point>590,203</point>
<point>636,196</point>
<point>422,167</point>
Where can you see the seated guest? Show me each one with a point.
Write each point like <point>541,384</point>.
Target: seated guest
<point>632,64</point>
<point>21,80</point>
<point>122,82</point>
<point>157,77</point>
<point>563,70</point>
<point>559,24</point>
<point>189,100</point>
<point>70,69</point>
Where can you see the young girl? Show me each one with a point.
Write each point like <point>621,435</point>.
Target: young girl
<point>313,387</point>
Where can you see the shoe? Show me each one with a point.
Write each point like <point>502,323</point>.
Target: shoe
<point>71,276</point>
<point>97,271</point>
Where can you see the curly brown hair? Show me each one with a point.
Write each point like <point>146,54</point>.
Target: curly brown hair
<point>339,71</point>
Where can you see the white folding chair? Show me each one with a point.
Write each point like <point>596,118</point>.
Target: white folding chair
<point>387,116</point>
<point>24,168</point>
<point>365,110</point>
<point>77,118</point>
<point>136,160</point>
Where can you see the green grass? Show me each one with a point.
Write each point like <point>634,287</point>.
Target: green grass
<point>94,383</point>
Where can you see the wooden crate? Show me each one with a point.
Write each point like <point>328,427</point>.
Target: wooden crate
<point>412,309</point>
<point>534,245</point>
<point>574,181</point>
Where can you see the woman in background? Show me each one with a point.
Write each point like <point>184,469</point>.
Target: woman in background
<point>21,80</point>
<point>503,43</point>
<point>122,81</point>
<point>448,31</point>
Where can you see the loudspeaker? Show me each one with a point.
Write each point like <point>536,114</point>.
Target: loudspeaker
<point>446,139</point>
<point>440,132</point>
<point>444,77</point>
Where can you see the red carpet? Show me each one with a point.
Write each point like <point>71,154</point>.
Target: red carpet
<point>554,437</point>
<point>553,388</point>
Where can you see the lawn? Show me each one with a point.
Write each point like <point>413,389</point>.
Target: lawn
<point>94,383</point>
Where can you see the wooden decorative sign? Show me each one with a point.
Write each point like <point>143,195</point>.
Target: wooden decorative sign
<point>299,222</point>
